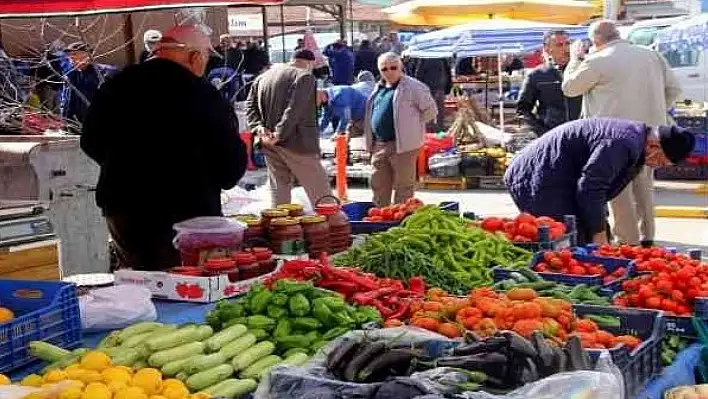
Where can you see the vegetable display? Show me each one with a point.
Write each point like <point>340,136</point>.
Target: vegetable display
<point>673,292</point>
<point>524,228</point>
<point>581,293</point>
<point>670,347</point>
<point>442,248</point>
<point>393,213</point>
<point>563,262</point>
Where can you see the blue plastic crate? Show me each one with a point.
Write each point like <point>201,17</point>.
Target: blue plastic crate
<point>45,311</point>
<point>641,364</point>
<point>356,212</point>
<point>700,149</point>
<point>698,123</point>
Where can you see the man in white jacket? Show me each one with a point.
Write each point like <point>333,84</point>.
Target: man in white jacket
<point>624,81</point>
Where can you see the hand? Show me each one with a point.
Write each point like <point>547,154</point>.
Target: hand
<point>578,49</point>
<point>267,137</point>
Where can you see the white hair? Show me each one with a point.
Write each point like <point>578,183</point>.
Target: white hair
<point>389,57</point>
<point>603,31</point>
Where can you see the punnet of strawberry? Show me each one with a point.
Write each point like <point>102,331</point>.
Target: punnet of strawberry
<point>524,228</point>
<point>564,263</point>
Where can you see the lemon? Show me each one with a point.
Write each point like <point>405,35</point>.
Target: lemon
<point>115,374</point>
<point>149,379</point>
<point>157,397</point>
<point>73,384</point>
<point>96,390</point>
<point>95,360</point>
<point>72,367</point>
<point>74,373</point>
<point>71,393</point>
<point>35,395</point>
<point>32,380</point>
<point>175,392</point>
<point>117,386</point>
<point>55,376</point>
<point>127,369</point>
<point>131,393</point>
<point>4,380</point>
<point>172,382</point>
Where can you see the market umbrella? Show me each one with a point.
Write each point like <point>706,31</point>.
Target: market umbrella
<point>48,8</point>
<point>455,12</point>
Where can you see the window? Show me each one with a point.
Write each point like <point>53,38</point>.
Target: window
<point>643,36</point>
<point>683,58</point>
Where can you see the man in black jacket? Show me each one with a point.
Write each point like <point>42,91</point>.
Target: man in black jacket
<point>541,101</point>
<point>167,144</point>
<point>365,59</point>
<point>436,73</point>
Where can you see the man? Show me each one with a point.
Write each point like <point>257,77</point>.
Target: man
<point>436,73</point>
<point>347,105</point>
<point>542,104</point>
<point>365,83</point>
<point>255,59</point>
<point>167,144</point>
<point>282,111</point>
<point>81,82</point>
<point>300,44</point>
<point>394,129</point>
<point>621,80</point>
<point>150,39</point>
<point>365,58</point>
<point>391,43</point>
<point>577,167</point>
<point>341,63</point>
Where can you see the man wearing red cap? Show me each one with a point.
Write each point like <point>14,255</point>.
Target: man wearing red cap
<point>167,144</point>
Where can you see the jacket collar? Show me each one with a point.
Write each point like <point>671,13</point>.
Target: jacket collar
<point>381,84</point>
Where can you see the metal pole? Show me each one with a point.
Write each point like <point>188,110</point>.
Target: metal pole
<point>265,31</point>
<point>501,90</point>
<point>282,30</point>
<point>342,23</point>
<point>351,21</point>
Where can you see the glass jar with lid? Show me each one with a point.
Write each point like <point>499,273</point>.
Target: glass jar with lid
<point>340,230</point>
<point>316,231</point>
<point>286,236</point>
<point>294,210</point>
<point>270,214</point>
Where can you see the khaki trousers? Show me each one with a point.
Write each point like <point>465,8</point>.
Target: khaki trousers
<point>285,166</point>
<point>392,171</point>
<point>633,210</point>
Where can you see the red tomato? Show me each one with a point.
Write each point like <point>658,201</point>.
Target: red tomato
<point>566,256</point>
<point>377,219</point>
<point>619,272</point>
<point>579,270</point>
<point>664,286</point>
<point>387,214</point>
<point>510,228</point>
<point>608,279</point>
<point>548,255</point>
<point>492,224</point>
<point>557,233</point>
<point>527,230</point>
<point>399,215</point>
<point>653,302</point>
<point>526,218</point>
<point>556,263</point>
<point>545,221</point>
<point>668,305</point>
<point>542,267</point>
<point>520,238</point>
<point>366,219</point>
<point>374,212</point>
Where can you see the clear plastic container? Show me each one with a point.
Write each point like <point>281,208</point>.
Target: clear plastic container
<point>201,238</point>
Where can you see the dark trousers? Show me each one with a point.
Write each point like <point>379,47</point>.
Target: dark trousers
<point>142,244</point>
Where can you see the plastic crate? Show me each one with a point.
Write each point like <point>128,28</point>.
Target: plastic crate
<point>682,171</point>
<point>700,123</point>
<point>356,212</point>
<point>566,241</point>
<point>45,311</point>
<point>640,365</point>
<point>700,149</point>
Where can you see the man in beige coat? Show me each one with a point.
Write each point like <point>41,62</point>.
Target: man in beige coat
<point>624,81</point>
<point>394,128</point>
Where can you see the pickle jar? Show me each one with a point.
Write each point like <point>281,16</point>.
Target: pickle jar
<point>294,210</point>
<point>254,231</point>
<point>270,214</point>
<point>286,236</point>
<point>316,231</point>
<point>340,230</point>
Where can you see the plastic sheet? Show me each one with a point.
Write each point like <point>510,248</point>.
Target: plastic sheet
<point>116,307</point>
<point>680,372</point>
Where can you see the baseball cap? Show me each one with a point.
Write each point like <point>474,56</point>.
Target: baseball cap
<point>676,142</point>
<point>188,36</point>
<point>152,36</point>
<point>306,55</point>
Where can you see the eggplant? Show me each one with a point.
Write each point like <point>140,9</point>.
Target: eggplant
<point>559,360</point>
<point>396,360</point>
<point>578,358</point>
<point>398,389</point>
<point>545,355</point>
<point>341,355</point>
<point>530,372</point>
<point>519,344</point>
<point>492,364</point>
<point>471,336</point>
<point>365,355</point>
<point>492,344</point>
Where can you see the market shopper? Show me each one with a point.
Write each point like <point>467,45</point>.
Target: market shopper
<point>345,104</point>
<point>81,82</point>
<point>542,104</point>
<point>576,168</point>
<point>169,165</point>
<point>365,58</point>
<point>341,63</point>
<point>394,129</point>
<point>621,80</point>
<point>282,111</point>
<point>436,73</point>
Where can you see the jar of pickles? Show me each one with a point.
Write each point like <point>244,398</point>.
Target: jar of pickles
<point>221,266</point>
<point>247,265</point>
<point>254,230</point>
<point>286,236</point>
<point>340,230</point>
<point>270,214</point>
<point>316,231</point>
<point>294,210</point>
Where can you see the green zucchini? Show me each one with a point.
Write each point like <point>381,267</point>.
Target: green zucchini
<point>182,336</point>
<point>237,347</point>
<point>231,388</point>
<point>137,329</point>
<point>159,359</point>
<point>262,366</point>
<point>223,337</point>
<point>252,355</point>
<point>173,368</point>
<point>207,378</point>
<point>205,362</point>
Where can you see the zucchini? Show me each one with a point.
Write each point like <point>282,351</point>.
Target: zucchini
<point>135,340</point>
<point>137,329</point>
<point>139,365</point>
<point>207,378</point>
<point>231,388</point>
<point>47,352</point>
<point>262,366</point>
<point>175,338</point>
<point>159,359</point>
<point>126,357</point>
<point>172,368</point>
<point>236,347</point>
<point>529,274</point>
<point>252,355</point>
<point>223,337</point>
<point>109,340</point>
<point>296,359</point>
<point>182,376</point>
<point>204,332</point>
<point>205,362</point>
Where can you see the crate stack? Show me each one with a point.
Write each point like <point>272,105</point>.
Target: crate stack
<point>695,167</point>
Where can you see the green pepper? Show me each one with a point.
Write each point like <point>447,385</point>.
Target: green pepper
<point>317,345</point>
<point>367,314</point>
<point>289,288</point>
<point>279,299</point>
<point>283,328</point>
<point>335,304</point>
<point>316,293</point>
<point>293,351</point>
<point>322,312</point>
<point>259,302</point>
<point>313,335</point>
<point>260,334</point>
<point>299,305</point>
<point>231,312</point>
<point>334,333</point>
<point>238,320</point>
<point>276,312</point>
<point>342,318</point>
<point>293,341</point>
<point>260,322</point>
<point>306,323</point>
<point>213,320</point>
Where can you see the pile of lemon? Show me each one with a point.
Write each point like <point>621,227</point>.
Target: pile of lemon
<point>95,377</point>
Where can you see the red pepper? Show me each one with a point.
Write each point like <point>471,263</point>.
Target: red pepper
<point>333,273</point>
<point>407,293</point>
<point>400,309</point>
<point>344,287</point>
<point>385,311</point>
<point>366,298</point>
<point>417,285</point>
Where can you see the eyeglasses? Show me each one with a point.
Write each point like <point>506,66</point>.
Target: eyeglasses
<point>391,68</point>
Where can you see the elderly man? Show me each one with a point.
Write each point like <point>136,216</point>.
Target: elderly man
<point>542,104</point>
<point>170,164</point>
<point>282,111</point>
<point>81,82</point>
<point>621,80</point>
<point>394,128</point>
<point>150,39</point>
<point>577,167</point>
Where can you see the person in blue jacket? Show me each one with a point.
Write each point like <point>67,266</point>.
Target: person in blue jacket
<point>347,105</point>
<point>365,83</point>
<point>341,63</point>
<point>577,167</point>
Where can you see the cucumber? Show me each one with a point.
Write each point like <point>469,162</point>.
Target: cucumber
<point>126,357</point>
<point>161,358</point>
<point>135,340</point>
<point>47,352</point>
<point>529,274</point>
<point>204,332</point>
<point>296,359</point>
<point>139,365</point>
<point>72,358</point>
<point>293,351</point>
<point>136,329</point>
<point>252,355</point>
<point>182,336</point>
<point>172,368</point>
<point>235,348</point>
<point>109,340</point>
<point>182,376</point>
<point>223,337</point>
<point>205,362</point>
<point>231,388</point>
<point>262,366</point>
<point>207,378</point>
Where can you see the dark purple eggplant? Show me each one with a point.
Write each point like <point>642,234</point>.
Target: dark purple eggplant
<point>386,365</point>
<point>492,364</point>
<point>519,344</point>
<point>365,355</point>
<point>544,360</point>
<point>341,355</point>
<point>493,344</point>
<point>578,358</point>
<point>398,389</point>
<point>530,372</point>
<point>471,336</point>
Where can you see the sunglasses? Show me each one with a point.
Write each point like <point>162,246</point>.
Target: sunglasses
<point>391,68</point>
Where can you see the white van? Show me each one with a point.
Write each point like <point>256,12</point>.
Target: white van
<point>644,32</point>
<point>684,46</point>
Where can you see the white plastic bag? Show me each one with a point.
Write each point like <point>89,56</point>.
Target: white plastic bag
<point>116,307</point>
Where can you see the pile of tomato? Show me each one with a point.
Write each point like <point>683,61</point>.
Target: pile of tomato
<point>564,263</point>
<point>393,213</point>
<point>524,228</point>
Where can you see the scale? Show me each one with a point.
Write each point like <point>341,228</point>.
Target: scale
<point>24,222</point>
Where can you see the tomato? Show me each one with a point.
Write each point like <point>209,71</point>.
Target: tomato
<point>525,218</point>
<point>545,221</point>
<point>520,238</point>
<point>653,302</point>
<point>374,212</point>
<point>492,224</point>
<point>565,256</point>
<point>579,270</point>
<point>557,233</point>
<point>376,219</point>
<point>619,272</point>
<point>510,228</point>
<point>668,305</point>
<point>594,270</point>
<point>608,279</point>
<point>528,230</point>
<point>542,267</point>
<point>664,286</point>
<point>548,255</point>
<point>556,263</point>
<point>645,292</point>
<point>399,216</point>
<point>387,214</point>
<point>634,299</point>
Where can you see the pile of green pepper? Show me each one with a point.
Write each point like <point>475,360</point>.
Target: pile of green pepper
<point>294,315</point>
<point>441,247</point>
<point>527,278</point>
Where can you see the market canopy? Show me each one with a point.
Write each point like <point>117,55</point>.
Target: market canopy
<point>455,12</point>
<point>48,8</point>
<point>487,37</point>
<point>689,34</point>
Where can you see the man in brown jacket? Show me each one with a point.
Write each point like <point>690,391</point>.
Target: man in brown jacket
<point>281,110</point>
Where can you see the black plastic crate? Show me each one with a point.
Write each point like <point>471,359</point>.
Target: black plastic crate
<point>700,123</point>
